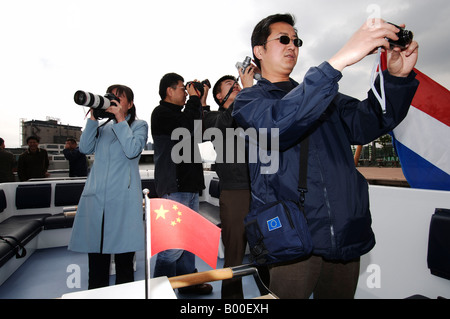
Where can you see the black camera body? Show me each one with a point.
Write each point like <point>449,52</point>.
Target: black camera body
<point>405,38</point>
<point>97,103</point>
<point>199,86</point>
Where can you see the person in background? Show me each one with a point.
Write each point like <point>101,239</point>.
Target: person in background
<point>234,179</point>
<point>33,163</point>
<point>77,160</point>
<point>180,182</point>
<point>7,164</point>
<point>109,218</point>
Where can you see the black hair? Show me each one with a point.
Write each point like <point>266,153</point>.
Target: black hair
<point>262,30</point>
<point>33,137</point>
<point>122,89</point>
<point>72,140</point>
<point>218,85</point>
<point>168,80</point>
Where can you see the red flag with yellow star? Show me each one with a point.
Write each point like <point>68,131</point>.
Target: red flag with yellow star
<point>175,226</point>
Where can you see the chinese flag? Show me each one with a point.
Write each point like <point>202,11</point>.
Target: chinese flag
<point>175,226</point>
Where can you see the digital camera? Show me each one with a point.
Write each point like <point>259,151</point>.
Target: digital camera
<point>405,37</point>
<point>199,86</point>
<point>244,65</point>
<point>97,103</point>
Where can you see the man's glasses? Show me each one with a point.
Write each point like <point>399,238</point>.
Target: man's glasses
<point>284,39</point>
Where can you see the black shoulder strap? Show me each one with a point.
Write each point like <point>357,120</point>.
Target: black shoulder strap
<point>303,171</point>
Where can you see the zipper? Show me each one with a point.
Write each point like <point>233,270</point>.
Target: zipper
<point>327,203</point>
<point>288,214</point>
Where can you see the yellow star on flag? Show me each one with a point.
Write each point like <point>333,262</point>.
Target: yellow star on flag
<point>175,207</point>
<point>161,212</point>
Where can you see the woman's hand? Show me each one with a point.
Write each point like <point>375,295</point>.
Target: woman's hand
<point>117,110</point>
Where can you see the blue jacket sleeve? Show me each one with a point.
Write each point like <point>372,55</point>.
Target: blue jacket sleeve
<point>261,106</point>
<point>88,137</point>
<point>364,121</point>
<point>132,139</point>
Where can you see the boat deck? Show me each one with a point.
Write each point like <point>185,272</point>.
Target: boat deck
<point>47,275</point>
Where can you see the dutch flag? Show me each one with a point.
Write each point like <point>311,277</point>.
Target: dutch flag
<point>422,140</point>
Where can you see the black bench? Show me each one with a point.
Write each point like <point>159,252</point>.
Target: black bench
<point>19,230</point>
<point>16,232</point>
<point>66,194</point>
<point>3,203</point>
<point>210,211</point>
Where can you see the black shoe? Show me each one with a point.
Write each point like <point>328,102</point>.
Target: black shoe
<point>202,289</point>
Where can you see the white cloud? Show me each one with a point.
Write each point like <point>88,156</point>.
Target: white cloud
<point>52,48</point>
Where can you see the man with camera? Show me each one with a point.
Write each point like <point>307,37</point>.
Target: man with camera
<point>182,181</point>
<point>337,199</point>
<point>233,176</point>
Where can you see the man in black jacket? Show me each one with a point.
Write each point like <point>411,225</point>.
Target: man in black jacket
<point>78,164</point>
<point>33,163</point>
<point>234,183</point>
<point>180,181</point>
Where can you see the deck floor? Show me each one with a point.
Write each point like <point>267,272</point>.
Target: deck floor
<point>45,274</point>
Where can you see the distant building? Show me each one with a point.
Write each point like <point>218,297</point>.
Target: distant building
<point>49,132</point>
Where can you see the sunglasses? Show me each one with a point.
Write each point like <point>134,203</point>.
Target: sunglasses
<point>284,39</point>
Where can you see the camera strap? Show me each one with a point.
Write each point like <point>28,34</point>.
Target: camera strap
<point>377,71</point>
<point>229,93</point>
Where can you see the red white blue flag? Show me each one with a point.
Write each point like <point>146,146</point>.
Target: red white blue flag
<point>422,140</point>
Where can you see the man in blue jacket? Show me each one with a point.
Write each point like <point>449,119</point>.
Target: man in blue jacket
<point>337,201</point>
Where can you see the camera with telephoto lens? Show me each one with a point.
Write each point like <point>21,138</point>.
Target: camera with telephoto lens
<point>97,103</point>
<point>244,65</point>
<point>405,37</point>
<point>199,86</point>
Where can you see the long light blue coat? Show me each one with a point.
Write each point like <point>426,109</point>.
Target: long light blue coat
<point>113,190</point>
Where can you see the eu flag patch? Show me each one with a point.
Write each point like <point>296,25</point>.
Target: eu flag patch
<point>274,223</point>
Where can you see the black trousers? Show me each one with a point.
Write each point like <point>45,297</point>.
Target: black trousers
<point>99,265</point>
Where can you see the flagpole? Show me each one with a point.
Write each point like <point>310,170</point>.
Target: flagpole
<point>148,243</point>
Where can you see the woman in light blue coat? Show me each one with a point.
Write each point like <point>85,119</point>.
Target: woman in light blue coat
<point>109,218</point>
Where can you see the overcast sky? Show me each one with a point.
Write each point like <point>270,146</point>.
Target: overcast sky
<point>50,49</point>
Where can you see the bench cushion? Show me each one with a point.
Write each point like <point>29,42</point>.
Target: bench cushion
<point>59,221</point>
<point>3,203</point>
<point>210,212</point>
<point>214,188</point>
<point>22,229</point>
<point>33,196</point>
<point>68,194</point>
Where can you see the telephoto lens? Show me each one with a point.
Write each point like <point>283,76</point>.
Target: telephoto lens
<point>91,100</point>
<point>97,103</point>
